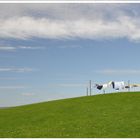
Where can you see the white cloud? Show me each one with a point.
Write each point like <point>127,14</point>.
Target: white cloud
<point>29,27</point>
<point>14,69</point>
<point>66,11</point>
<point>119,71</point>
<point>68,21</point>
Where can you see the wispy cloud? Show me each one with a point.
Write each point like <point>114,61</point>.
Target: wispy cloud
<point>15,69</point>
<point>11,87</point>
<point>7,48</point>
<point>28,94</point>
<point>30,47</point>
<point>10,78</point>
<point>15,48</point>
<point>70,85</point>
<point>118,72</point>
<point>70,46</point>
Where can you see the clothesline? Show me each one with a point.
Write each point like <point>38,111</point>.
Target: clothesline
<point>117,85</point>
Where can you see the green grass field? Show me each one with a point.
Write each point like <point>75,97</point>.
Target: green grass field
<point>112,115</point>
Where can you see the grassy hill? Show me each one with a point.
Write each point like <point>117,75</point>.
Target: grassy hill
<point>110,115</point>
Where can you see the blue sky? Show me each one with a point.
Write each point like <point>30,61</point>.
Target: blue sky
<point>50,51</point>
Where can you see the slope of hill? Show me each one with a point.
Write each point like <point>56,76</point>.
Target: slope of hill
<point>110,115</point>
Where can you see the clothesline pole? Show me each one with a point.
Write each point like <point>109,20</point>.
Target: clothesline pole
<point>87,91</point>
<point>129,85</point>
<point>90,87</point>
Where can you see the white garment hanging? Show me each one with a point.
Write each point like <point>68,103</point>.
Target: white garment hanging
<point>105,86</point>
<point>119,85</point>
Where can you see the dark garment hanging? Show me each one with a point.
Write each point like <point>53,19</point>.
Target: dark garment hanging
<point>99,87</point>
<point>113,84</point>
<point>127,86</point>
